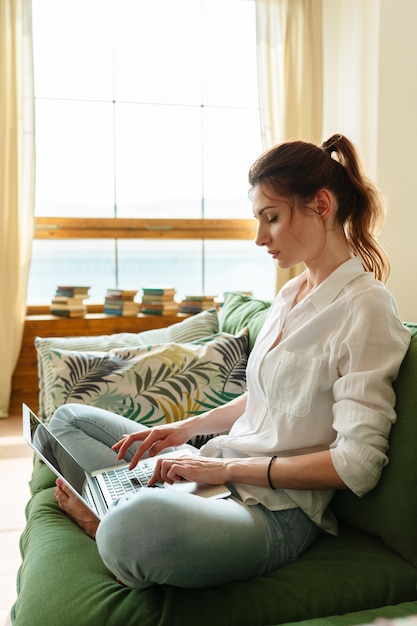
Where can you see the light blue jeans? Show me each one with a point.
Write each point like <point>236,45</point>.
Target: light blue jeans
<point>159,536</point>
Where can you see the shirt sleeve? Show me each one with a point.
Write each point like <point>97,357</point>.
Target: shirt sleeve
<point>371,347</point>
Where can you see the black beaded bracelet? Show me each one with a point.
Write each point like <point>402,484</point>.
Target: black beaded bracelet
<point>269,472</point>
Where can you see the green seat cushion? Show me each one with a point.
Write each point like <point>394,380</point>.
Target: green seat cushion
<point>362,617</point>
<point>42,476</point>
<point>240,311</point>
<point>390,510</point>
<point>63,581</point>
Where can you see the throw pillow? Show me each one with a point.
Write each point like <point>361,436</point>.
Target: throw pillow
<point>191,328</point>
<point>151,384</point>
<point>240,311</point>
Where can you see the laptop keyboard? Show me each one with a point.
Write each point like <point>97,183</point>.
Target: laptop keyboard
<point>121,481</point>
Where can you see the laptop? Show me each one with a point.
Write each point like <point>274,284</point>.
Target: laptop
<point>100,489</point>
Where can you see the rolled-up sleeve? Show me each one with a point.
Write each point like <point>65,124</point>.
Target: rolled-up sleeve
<point>372,346</point>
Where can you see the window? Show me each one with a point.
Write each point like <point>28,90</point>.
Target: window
<point>146,125</point>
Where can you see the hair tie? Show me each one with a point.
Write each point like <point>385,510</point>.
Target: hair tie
<point>332,146</point>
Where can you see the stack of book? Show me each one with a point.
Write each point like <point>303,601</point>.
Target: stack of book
<point>197,303</point>
<point>68,301</point>
<point>159,301</point>
<point>121,302</point>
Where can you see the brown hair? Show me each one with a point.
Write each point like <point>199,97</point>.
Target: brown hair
<point>299,169</point>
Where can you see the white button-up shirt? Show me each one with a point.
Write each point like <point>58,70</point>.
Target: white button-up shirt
<point>327,384</point>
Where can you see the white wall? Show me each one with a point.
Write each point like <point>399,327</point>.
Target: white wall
<point>397,146</point>
<point>370,95</point>
<point>350,59</point>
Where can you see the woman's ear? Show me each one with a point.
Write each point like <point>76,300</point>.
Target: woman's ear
<point>324,203</point>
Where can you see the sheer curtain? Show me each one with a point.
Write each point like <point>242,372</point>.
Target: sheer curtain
<point>17,169</point>
<point>289,34</point>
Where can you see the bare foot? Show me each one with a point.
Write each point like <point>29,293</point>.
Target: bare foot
<point>75,509</point>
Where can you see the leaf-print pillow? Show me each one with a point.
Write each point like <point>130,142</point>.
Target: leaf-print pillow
<point>152,384</point>
<point>189,329</point>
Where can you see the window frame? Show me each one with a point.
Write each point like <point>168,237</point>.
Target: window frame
<point>128,228</point>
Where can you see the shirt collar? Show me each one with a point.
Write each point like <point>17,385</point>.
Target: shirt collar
<point>329,289</point>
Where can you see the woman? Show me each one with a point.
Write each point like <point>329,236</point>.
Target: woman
<point>317,413</point>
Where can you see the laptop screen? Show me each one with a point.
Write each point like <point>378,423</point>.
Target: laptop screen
<point>51,450</point>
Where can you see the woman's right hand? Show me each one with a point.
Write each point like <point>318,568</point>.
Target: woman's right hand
<point>154,440</point>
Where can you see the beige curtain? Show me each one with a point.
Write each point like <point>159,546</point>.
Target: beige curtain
<point>16,181</point>
<point>289,76</point>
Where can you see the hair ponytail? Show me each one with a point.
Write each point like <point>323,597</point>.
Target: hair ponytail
<point>299,169</point>
<point>362,211</point>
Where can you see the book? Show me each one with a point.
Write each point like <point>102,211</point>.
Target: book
<point>124,309</point>
<point>197,302</point>
<point>121,307</point>
<point>120,303</point>
<point>200,298</point>
<point>72,290</point>
<point>159,290</point>
<point>118,298</point>
<point>159,300</point>
<point>156,298</point>
<point>189,308</point>
<point>121,312</point>
<point>71,306</point>
<point>161,305</point>
<point>159,311</point>
<point>67,300</point>
<point>68,312</point>
<point>121,294</point>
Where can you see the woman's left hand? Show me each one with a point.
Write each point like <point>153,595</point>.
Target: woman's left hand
<point>211,471</point>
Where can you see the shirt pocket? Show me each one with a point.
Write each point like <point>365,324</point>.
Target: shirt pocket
<point>293,383</point>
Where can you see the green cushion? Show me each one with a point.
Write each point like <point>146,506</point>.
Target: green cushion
<point>390,510</point>
<point>42,476</point>
<point>363,617</point>
<point>64,582</point>
<point>240,311</point>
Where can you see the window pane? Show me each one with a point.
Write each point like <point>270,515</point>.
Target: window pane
<point>74,159</point>
<point>157,51</point>
<point>228,266</point>
<point>158,161</point>
<point>226,170</point>
<point>230,72</point>
<point>73,49</point>
<point>146,262</point>
<point>239,266</point>
<point>80,262</point>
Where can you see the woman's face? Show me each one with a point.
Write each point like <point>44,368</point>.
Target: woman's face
<point>290,235</point>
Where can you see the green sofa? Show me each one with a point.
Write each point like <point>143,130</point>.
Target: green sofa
<point>369,570</point>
